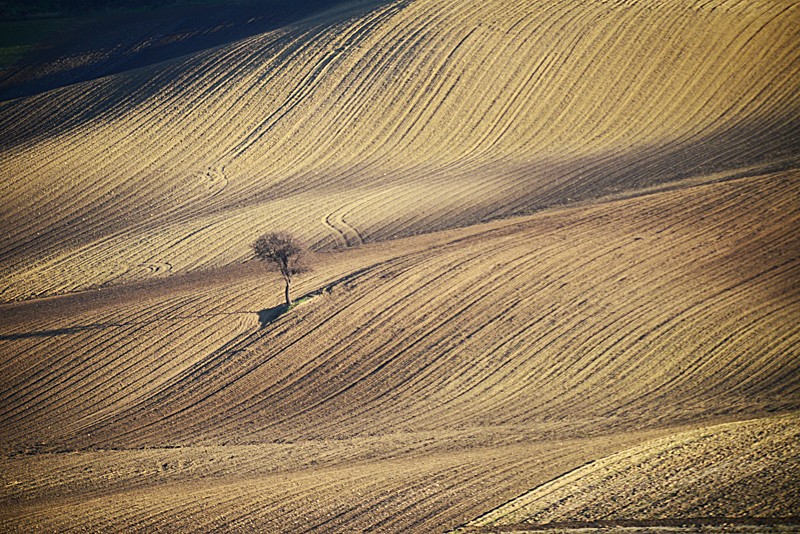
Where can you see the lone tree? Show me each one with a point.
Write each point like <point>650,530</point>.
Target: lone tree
<point>282,252</point>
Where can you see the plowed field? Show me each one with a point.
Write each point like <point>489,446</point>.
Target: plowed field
<point>554,287</point>
<point>389,120</point>
<point>655,484</point>
<point>430,379</point>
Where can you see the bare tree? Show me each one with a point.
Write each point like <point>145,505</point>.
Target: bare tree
<point>282,252</point>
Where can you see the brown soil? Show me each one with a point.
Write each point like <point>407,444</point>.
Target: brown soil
<point>618,348</point>
<point>432,379</point>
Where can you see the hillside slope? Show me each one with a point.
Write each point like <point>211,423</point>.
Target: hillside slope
<point>428,381</point>
<point>655,484</point>
<point>385,120</point>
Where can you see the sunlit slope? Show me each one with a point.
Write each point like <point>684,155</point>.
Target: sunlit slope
<point>401,483</point>
<point>647,311</point>
<point>432,379</point>
<point>747,472</point>
<point>387,120</point>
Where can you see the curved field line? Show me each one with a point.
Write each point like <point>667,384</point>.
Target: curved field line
<point>461,111</point>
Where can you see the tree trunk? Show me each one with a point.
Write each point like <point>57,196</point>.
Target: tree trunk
<point>288,300</point>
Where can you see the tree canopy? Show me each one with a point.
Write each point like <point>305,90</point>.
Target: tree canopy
<point>281,251</point>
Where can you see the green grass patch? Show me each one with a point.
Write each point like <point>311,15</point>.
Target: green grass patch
<point>270,315</point>
<point>299,301</point>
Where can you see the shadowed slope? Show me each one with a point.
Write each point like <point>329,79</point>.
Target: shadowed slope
<point>369,124</point>
<point>431,380</point>
<point>138,36</point>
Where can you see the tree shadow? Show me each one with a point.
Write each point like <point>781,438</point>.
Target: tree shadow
<point>50,333</point>
<point>268,316</point>
<point>264,316</point>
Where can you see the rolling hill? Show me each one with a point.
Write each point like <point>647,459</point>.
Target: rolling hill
<point>371,123</point>
<point>427,381</point>
<point>555,283</point>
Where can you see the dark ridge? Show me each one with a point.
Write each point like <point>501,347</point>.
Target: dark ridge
<point>101,38</point>
<point>28,9</point>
